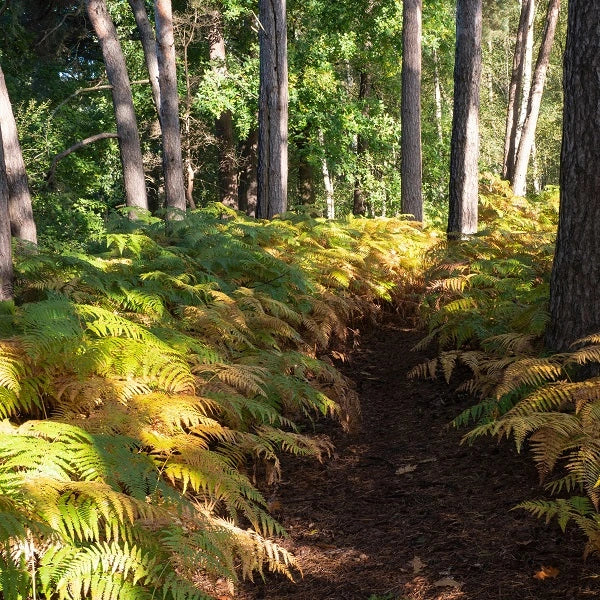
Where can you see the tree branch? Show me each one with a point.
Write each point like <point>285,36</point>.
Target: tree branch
<point>86,142</point>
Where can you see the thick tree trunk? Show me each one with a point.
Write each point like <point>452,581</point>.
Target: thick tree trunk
<point>228,179</point>
<point>116,71</point>
<point>574,297</point>
<point>359,207</point>
<point>527,75</point>
<point>535,100</point>
<point>248,188</point>
<point>19,198</point>
<point>411,160</point>
<point>6,267</point>
<point>149,45</point>
<point>515,90</point>
<point>464,149</point>
<point>272,110</point>
<point>169,111</point>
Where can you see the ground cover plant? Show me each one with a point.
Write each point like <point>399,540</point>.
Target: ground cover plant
<point>147,385</point>
<point>486,309</point>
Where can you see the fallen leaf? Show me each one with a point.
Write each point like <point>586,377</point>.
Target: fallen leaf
<point>447,582</point>
<point>406,469</point>
<point>546,573</point>
<point>417,565</point>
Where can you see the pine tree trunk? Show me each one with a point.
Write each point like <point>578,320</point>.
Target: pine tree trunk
<point>6,267</point>
<point>228,178</point>
<point>272,110</point>
<point>327,181</point>
<point>438,96</point>
<point>574,297</point>
<point>359,207</point>
<point>149,45</point>
<point>248,187</point>
<point>411,160</point>
<point>19,199</point>
<point>527,76</point>
<point>127,129</point>
<point>515,90</point>
<point>464,149</point>
<point>535,100</point>
<point>169,111</point>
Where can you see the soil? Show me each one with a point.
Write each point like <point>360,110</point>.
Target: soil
<point>402,511</point>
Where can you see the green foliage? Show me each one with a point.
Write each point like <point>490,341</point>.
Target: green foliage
<point>140,384</point>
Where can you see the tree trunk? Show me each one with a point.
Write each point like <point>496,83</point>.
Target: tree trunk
<point>438,96</point>
<point>116,71</point>
<point>574,298</point>
<point>228,180</point>
<point>272,110</point>
<point>535,100</point>
<point>248,187</point>
<point>526,80</point>
<point>464,148</point>
<point>169,111</point>
<point>149,45</point>
<point>306,175</point>
<point>6,267</point>
<point>359,203</point>
<point>411,159</point>
<point>327,181</point>
<point>19,198</point>
<point>515,90</point>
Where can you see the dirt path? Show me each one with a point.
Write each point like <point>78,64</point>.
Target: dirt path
<point>402,512</point>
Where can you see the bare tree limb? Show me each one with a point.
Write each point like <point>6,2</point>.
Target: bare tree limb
<point>87,90</point>
<point>86,142</point>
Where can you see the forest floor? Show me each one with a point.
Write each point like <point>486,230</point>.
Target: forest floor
<point>402,511</point>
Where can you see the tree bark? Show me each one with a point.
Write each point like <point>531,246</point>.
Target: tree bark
<point>6,267</point>
<point>464,149</point>
<point>228,179</point>
<point>574,298</point>
<point>248,187</point>
<point>327,181</point>
<point>359,207</point>
<point>438,96</point>
<point>515,90</point>
<point>149,45</point>
<point>411,159</point>
<point>169,111</point>
<point>272,110</point>
<point>535,100</point>
<point>19,199</point>
<point>127,129</point>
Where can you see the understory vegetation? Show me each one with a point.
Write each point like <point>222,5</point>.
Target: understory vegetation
<point>486,310</point>
<point>148,384</point>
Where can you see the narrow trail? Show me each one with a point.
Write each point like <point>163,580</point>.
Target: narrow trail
<point>401,511</point>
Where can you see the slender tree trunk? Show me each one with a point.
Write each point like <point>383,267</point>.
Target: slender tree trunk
<point>149,45</point>
<point>359,204</point>
<point>411,159</point>
<point>515,89</point>
<point>116,71</point>
<point>574,297</point>
<point>272,110</point>
<point>19,198</point>
<point>169,111</point>
<point>248,188</point>
<point>526,80</point>
<point>535,100</point>
<point>327,181</point>
<point>306,175</point>
<point>464,149</point>
<point>190,172</point>
<point>6,267</point>
<point>228,180</point>
<point>438,96</point>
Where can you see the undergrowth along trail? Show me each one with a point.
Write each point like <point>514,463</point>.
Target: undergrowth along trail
<point>402,511</point>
